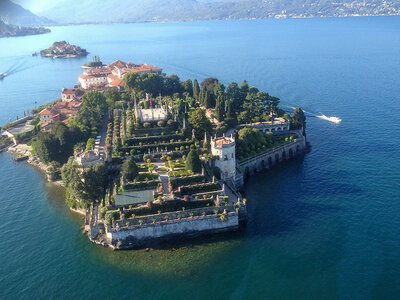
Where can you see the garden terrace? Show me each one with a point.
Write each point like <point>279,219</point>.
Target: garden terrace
<point>279,142</point>
<point>175,164</point>
<point>167,206</point>
<point>134,141</point>
<point>165,217</point>
<point>152,147</point>
<point>145,177</point>
<point>181,181</point>
<point>197,188</point>
<point>152,131</point>
<point>180,173</point>
<point>141,185</point>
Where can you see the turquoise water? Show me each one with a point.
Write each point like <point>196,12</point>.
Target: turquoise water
<point>325,226</point>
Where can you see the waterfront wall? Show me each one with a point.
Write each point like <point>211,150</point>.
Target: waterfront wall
<point>274,156</point>
<point>139,235</point>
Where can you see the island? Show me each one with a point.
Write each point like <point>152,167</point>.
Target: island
<point>96,62</point>
<point>63,50</point>
<point>7,30</point>
<point>146,157</point>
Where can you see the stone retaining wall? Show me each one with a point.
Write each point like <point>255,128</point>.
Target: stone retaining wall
<point>136,236</point>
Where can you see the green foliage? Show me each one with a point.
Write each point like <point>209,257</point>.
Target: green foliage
<point>196,89</point>
<point>90,144</point>
<point>200,123</point>
<point>94,99</point>
<point>86,185</point>
<point>200,188</point>
<point>193,162</point>
<point>220,108</point>
<point>175,182</point>
<point>298,118</point>
<point>188,87</point>
<point>47,147</point>
<point>169,206</point>
<point>141,185</point>
<point>129,169</point>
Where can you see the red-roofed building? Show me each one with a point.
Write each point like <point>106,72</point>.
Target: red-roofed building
<point>111,75</point>
<point>60,111</point>
<point>71,94</point>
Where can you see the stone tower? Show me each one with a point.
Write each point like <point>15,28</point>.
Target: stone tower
<point>223,149</point>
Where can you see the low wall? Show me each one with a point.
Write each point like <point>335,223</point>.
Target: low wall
<point>272,157</point>
<point>139,235</point>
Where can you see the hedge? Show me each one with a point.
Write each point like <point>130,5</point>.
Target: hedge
<point>146,176</point>
<point>134,141</point>
<point>140,185</point>
<point>175,182</point>
<point>199,188</point>
<point>168,206</point>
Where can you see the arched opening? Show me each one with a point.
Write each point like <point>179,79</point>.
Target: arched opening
<point>247,171</point>
<point>270,161</point>
<point>290,153</point>
<point>297,149</point>
<point>276,158</point>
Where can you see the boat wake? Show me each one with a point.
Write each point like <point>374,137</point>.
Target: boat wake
<point>319,115</point>
<point>335,120</point>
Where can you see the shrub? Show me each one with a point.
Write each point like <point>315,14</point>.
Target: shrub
<point>193,162</point>
<point>223,218</point>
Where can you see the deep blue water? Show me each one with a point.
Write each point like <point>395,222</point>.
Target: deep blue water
<point>324,226</point>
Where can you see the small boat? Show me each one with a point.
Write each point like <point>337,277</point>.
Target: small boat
<point>2,75</point>
<point>335,120</point>
<point>34,54</point>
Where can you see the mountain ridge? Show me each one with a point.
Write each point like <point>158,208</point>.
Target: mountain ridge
<point>125,11</point>
<point>12,13</point>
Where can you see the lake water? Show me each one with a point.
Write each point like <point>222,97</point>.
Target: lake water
<point>325,226</point>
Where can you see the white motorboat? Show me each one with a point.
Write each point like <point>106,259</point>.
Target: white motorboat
<point>2,75</point>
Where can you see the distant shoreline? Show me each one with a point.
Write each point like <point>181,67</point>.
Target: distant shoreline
<point>217,20</point>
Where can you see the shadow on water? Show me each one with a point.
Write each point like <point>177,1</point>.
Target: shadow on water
<point>275,204</point>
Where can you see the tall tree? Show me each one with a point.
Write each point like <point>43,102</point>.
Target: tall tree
<point>94,183</point>
<point>220,108</point>
<point>202,99</point>
<point>193,162</point>
<point>230,118</point>
<point>200,123</point>
<point>188,87</point>
<point>129,169</point>
<point>299,119</point>
<point>196,89</point>
<point>233,93</point>
<point>172,85</point>
<point>94,99</point>
<point>244,88</point>
<point>47,147</point>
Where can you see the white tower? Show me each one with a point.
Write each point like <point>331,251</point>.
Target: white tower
<point>224,150</point>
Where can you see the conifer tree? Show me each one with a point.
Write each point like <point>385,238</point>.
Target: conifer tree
<point>193,162</point>
<point>196,89</point>
<point>220,108</point>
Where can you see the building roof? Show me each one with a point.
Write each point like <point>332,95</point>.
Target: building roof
<point>222,141</point>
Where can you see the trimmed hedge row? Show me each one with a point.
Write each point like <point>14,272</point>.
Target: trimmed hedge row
<point>199,188</point>
<point>160,145</point>
<point>140,185</point>
<point>168,206</point>
<point>134,141</point>
<point>175,182</point>
<point>146,176</point>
